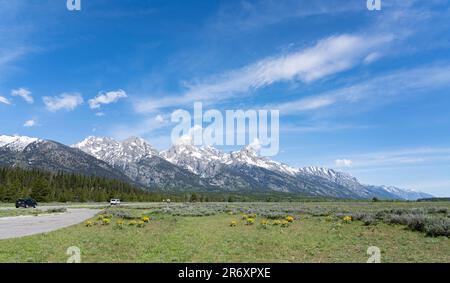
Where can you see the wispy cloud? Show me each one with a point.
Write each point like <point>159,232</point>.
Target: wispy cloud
<point>145,128</point>
<point>440,186</point>
<point>321,127</point>
<point>327,57</point>
<point>378,90</point>
<point>29,123</point>
<point>24,93</point>
<point>250,15</point>
<point>160,119</point>
<point>65,101</point>
<point>343,162</point>
<point>397,158</point>
<point>14,35</point>
<point>4,100</point>
<point>9,55</point>
<point>106,98</point>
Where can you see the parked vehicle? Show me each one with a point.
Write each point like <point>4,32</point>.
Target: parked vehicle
<point>114,202</point>
<point>26,203</point>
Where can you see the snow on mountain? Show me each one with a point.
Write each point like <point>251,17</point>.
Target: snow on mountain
<point>33,153</point>
<point>406,194</point>
<point>140,162</point>
<point>337,177</point>
<point>366,191</point>
<point>249,155</point>
<point>215,166</point>
<point>187,166</point>
<point>16,143</point>
<point>202,161</point>
<point>116,153</point>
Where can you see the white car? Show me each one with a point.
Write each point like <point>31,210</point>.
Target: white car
<point>114,202</point>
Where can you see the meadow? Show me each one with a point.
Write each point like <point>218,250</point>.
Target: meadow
<point>248,232</point>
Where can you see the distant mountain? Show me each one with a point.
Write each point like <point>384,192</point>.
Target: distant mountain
<point>185,167</point>
<point>246,170</point>
<point>403,194</point>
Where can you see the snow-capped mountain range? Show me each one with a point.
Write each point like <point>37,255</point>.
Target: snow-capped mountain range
<point>186,167</point>
<point>16,143</point>
<point>115,153</point>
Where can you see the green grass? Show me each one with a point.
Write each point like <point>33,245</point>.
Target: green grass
<point>211,239</point>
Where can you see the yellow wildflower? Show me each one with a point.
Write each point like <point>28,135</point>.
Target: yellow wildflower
<point>347,219</point>
<point>290,219</point>
<point>276,222</point>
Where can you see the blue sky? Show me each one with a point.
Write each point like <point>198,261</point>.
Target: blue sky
<point>365,92</point>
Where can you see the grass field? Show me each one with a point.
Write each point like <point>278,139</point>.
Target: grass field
<point>203,233</point>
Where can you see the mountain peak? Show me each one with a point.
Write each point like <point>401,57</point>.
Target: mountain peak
<point>114,152</point>
<point>238,169</point>
<point>328,173</point>
<point>16,143</point>
<point>94,139</point>
<point>138,147</point>
<point>134,139</point>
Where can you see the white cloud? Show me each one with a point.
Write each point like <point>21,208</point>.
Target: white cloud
<point>398,158</point>
<point>372,57</point>
<point>256,144</point>
<point>160,119</point>
<point>29,123</point>
<point>437,185</point>
<point>343,162</point>
<point>106,98</point>
<point>321,127</point>
<point>24,93</point>
<point>380,89</point>
<point>151,128</point>
<point>234,16</point>
<point>144,128</point>
<point>10,55</point>
<point>329,56</point>
<point>4,100</point>
<point>65,101</point>
<point>99,114</point>
<point>310,103</point>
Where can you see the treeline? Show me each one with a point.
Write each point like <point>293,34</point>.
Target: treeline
<point>45,186</point>
<point>63,187</point>
<point>433,199</point>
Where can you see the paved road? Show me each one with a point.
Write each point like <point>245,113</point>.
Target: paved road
<point>79,205</point>
<point>45,207</point>
<point>20,226</point>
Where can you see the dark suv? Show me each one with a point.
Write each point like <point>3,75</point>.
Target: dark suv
<point>26,203</point>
